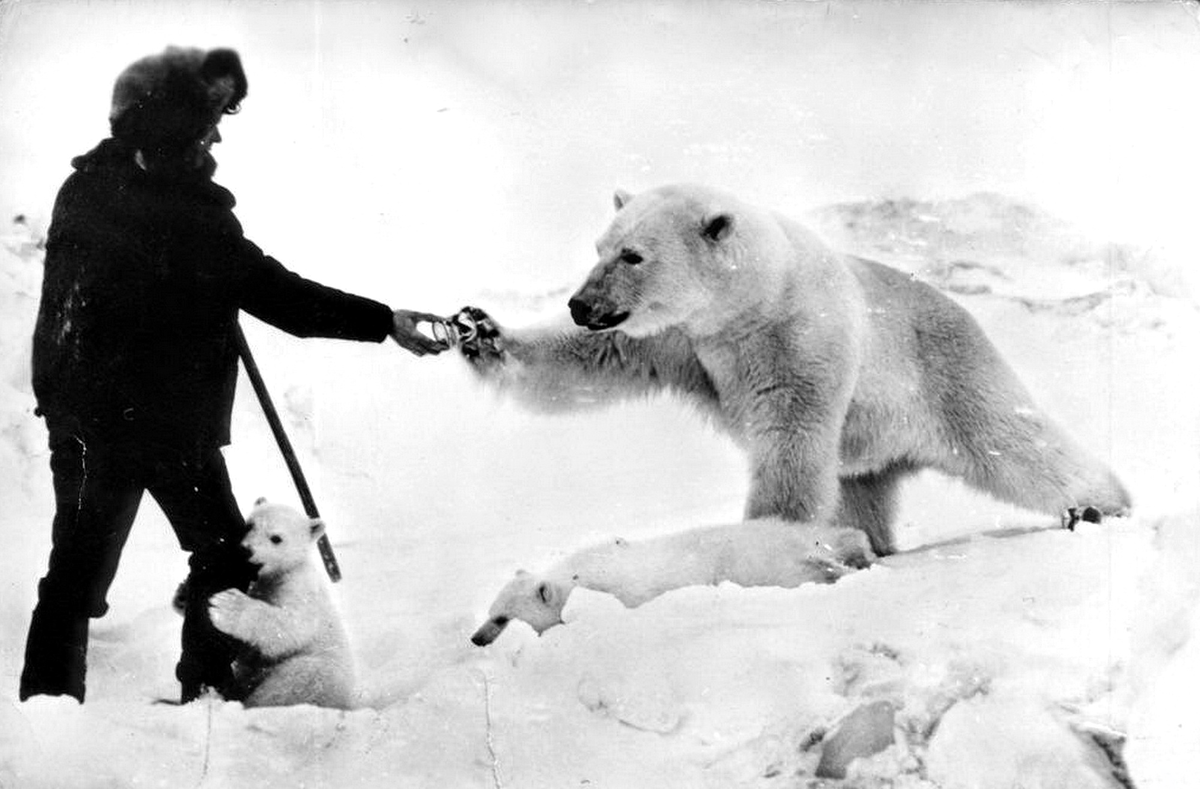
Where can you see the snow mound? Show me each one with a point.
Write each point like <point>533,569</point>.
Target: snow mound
<point>991,244</point>
<point>22,246</point>
<point>996,650</point>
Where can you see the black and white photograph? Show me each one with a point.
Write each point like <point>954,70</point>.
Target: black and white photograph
<point>772,394</point>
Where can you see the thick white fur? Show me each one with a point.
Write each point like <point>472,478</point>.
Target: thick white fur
<point>838,376</point>
<point>756,553</point>
<point>295,647</point>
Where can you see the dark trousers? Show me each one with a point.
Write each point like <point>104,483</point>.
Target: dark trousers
<point>98,486</point>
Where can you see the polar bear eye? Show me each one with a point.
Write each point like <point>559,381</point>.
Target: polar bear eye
<point>276,539</point>
<point>631,257</point>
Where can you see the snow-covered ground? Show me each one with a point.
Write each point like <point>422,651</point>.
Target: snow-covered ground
<point>995,650</point>
<point>1010,650</point>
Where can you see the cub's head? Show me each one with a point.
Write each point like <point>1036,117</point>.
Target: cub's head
<point>668,257</point>
<point>535,601</point>
<point>279,539</point>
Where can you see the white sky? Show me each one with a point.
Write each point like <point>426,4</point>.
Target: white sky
<point>438,140</point>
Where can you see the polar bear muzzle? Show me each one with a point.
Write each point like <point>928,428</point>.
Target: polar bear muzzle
<point>489,631</point>
<point>595,315</point>
<point>593,308</point>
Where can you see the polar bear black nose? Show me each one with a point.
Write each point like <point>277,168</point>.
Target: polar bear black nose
<point>580,311</point>
<point>595,315</point>
<point>489,631</point>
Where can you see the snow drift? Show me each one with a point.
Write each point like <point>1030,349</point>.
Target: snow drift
<point>995,650</point>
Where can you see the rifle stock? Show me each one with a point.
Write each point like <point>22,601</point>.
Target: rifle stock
<point>285,447</point>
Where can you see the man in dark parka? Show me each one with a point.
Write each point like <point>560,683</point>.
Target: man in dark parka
<point>135,363</point>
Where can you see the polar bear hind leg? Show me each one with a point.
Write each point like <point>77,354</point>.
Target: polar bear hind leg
<point>991,433</point>
<point>1004,445</point>
<point>305,680</point>
<point>1039,468</point>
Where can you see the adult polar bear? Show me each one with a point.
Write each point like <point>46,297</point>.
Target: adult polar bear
<point>838,376</point>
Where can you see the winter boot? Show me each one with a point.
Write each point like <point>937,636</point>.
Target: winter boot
<point>55,654</point>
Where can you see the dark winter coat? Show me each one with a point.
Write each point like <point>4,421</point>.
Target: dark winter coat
<point>135,337</point>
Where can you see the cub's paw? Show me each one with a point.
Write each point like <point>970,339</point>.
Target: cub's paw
<point>852,548</point>
<point>480,339</point>
<point>226,609</point>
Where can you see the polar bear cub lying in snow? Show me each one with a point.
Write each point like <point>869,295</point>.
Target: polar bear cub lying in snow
<point>768,552</point>
<point>295,649</point>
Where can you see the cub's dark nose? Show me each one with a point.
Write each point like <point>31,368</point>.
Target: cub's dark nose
<point>489,631</point>
<point>579,311</point>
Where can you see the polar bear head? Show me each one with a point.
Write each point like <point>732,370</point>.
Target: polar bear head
<point>678,256</point>
<point>279,539</point>
<point>536,601</point>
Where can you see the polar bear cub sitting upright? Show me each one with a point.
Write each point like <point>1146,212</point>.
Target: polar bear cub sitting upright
<point>294,647</point>
<point>838,376</point>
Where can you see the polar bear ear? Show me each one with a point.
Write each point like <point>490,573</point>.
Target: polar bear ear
<point>261,500</point>
<point>316,527</point>
<point>717,227</point>
<point>620,198</point>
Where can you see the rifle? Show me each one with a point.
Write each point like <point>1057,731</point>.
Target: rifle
<point>285,446</point>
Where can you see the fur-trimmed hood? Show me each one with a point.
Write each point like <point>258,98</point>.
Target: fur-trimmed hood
<point>166,101</point>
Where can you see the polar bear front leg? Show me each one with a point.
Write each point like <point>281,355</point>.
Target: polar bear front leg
<point>229,612</point>
<point>790,423</point>
<point>794,477</point>
<point>269,629</point>
<point>555,368</point>
<point>868,503</point>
